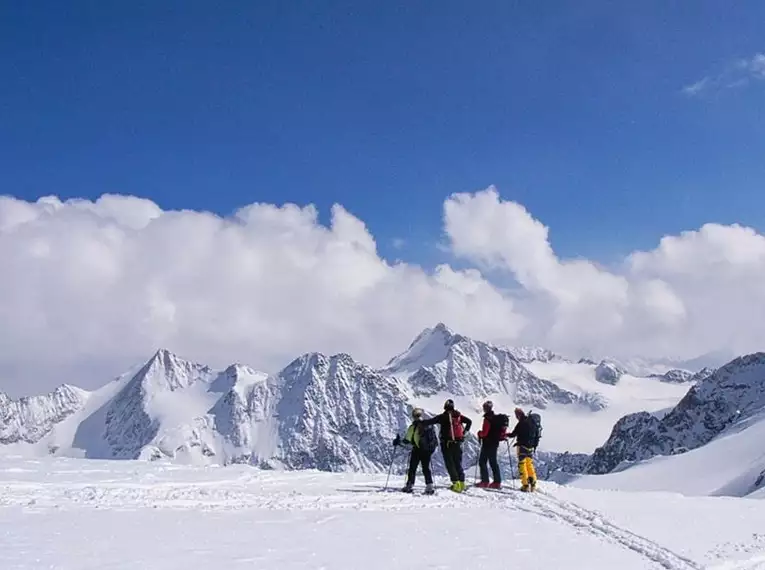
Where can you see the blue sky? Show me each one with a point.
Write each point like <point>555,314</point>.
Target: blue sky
<point>575,109</point>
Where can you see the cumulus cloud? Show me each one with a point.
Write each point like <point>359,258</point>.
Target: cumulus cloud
<point>736,74</point>
<point>90,288</point>
<point>695,293</point>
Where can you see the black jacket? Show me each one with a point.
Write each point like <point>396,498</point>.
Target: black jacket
<point>445,423</point>
<point>522,432</point>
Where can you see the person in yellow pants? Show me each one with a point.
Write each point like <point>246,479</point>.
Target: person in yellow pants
<point>523,434</point>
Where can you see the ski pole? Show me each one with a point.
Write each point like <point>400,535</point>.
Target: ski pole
<point>477,460</point>
<point>390,468</point>
<point>510,459</point>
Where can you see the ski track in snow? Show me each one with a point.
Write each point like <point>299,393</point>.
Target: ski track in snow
<point>43,487</point>
<point>594,523</point>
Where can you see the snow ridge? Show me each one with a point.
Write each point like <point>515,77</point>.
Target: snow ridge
<point>29,419</point>
<point>730,395</point>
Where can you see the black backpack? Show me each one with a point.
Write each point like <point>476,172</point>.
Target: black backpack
<point>498,421</point>
<point>535,429</point>
<point>428,438</point>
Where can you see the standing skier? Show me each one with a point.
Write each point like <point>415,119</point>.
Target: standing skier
<point>493,431</point>
<point>453,426</point>
<point>527,438</point>
<point>423,441</point>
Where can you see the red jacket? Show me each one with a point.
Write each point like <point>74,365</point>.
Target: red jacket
<point>493,428</point>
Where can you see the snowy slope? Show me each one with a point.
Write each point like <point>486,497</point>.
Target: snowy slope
<point>139,515</point>
<point>733,393</point>
<point>581,431</point>
<point>731,464</point>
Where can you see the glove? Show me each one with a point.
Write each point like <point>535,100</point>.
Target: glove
<point>397,441</point>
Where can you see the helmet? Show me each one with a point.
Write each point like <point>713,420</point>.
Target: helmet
<point>449,404</point>
<point>417,413</point>
<point>488,406</point>
<point>519,413</point>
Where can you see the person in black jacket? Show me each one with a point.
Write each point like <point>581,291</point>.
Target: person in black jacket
<point>493,431</point>
<point>453,427</point>
<point>522,433</point>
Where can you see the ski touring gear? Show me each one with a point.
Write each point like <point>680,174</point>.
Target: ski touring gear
<point>457,433</point>
<point>448,430</point>
<point>535,432</point>
<point>525,431</point>
<point>390,467</point>
<point>428,439</point>
<point>494,427</point>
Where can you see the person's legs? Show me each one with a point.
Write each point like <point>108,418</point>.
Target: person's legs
<point>414,460</point>
<point>483,458</point>
<point>492,456</point>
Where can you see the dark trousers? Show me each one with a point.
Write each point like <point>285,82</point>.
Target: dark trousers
<point>452,451</point>
<point>417,458</point>
<point>489,454</point>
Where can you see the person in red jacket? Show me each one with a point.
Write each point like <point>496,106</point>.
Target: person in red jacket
<point>493,431</point>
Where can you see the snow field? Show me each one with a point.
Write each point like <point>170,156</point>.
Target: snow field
<point>85,514</point>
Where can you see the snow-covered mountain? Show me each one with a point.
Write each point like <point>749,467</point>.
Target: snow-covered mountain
<point>718,401</point>
<point>440,361</point>
<point>327,412</point>
<point>29,419</point>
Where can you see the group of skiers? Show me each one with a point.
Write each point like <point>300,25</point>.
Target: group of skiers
<point>453,428</point>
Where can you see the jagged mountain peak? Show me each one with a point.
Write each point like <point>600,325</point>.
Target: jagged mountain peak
<point>527,354</point>
<point>29,418</point>
<point>442,361</point>
<point>167,371</point>
<point>428,348</point>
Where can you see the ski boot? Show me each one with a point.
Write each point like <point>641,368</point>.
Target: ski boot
<point>429,489</point>
<point>532,484</point>
<point>407,488</point>
<point>495,485</point>
<point>482,485</point>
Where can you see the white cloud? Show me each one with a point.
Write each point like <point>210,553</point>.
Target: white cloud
<point>694,293</point>
<point>90,288</point>
<point>737,74</point>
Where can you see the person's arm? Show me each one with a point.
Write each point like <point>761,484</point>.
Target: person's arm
<point>513,433</point>
<point>432,421</point>
<point>484,429</point>
<point>467,422</point>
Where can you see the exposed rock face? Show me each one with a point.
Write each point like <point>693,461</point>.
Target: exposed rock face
<point>441,361</point>
<point>29,419</point>
<point>732,393</point>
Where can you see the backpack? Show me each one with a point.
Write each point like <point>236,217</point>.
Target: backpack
<point>535,429</point>
<point>428,439</point>
<point>499,425</point>
<point>457,431</point>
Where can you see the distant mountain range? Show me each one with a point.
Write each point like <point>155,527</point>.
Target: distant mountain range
<point>333,413</point>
